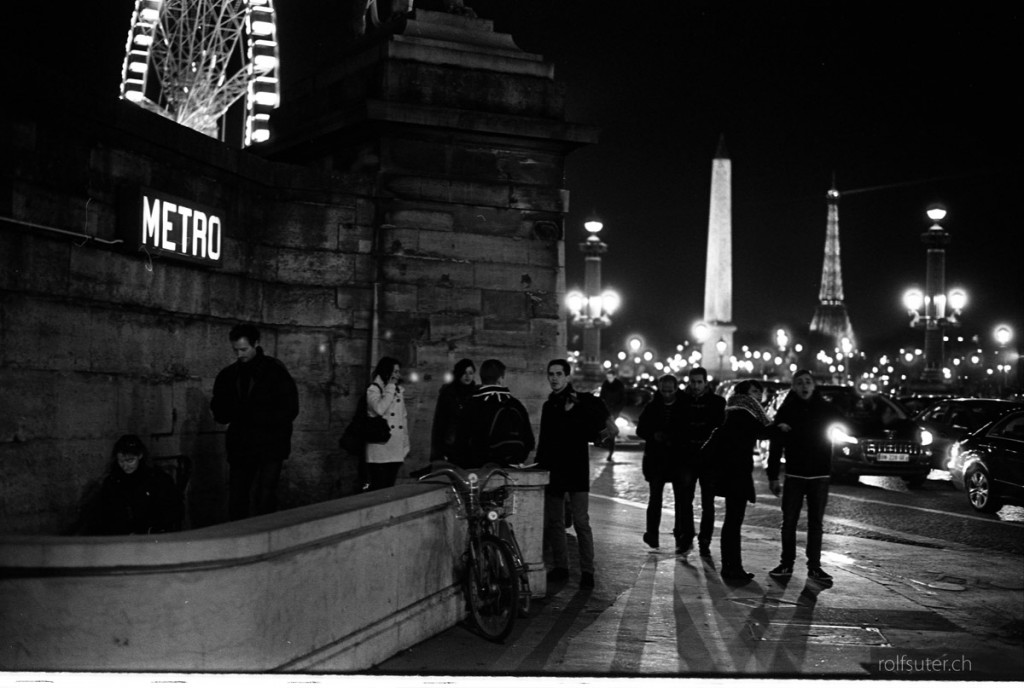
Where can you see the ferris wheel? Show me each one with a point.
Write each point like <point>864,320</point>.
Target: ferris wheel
<point>191,60</point>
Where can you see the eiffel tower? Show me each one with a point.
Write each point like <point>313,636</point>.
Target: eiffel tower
<point>830,317</point>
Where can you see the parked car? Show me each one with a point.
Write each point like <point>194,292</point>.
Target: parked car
<point>953,419</point>
<point>878,436</point>
<point>919,401</point>
<point>988,464</point>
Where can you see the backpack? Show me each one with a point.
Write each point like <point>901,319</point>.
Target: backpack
<point>506,442</point>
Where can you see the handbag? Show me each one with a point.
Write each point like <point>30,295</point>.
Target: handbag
<point>364,429</point>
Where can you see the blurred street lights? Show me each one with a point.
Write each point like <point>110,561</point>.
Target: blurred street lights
<point>592,308</point>
<point>934,310</point>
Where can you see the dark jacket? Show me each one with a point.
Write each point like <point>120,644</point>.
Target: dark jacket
<point>730,465</point>
<point>703,414</point>
<point>663,428</point>
<point>479,418</point>
<point>565,436</point>
<point>807,446</point>
<point>452,400</point>
<point>613,394</point>
<point>258,400</point>
<point>144,501</point>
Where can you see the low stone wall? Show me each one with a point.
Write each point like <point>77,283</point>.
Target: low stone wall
<point>332,587</point>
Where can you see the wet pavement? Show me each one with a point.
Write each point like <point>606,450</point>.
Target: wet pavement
<point>928,610</point>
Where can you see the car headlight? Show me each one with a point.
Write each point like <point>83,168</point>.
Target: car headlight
<point>839,435</point>
<point>926,438</point>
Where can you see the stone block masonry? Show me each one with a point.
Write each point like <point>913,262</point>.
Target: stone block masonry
<point>409,204</point>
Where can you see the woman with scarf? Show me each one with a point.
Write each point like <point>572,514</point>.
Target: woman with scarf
<point>729,456</point>
<point>451,402</point>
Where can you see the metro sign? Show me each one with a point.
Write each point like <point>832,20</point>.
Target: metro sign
<point>171,227</point>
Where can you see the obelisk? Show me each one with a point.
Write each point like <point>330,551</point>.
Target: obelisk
<point>717,347</point>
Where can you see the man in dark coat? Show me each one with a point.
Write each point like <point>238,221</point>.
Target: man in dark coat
<point>662,425</point>
<point>804,419</point>
<point>495,426</point>
<point>258,400</point>
<point>705,411</point>
<point>569,422</point>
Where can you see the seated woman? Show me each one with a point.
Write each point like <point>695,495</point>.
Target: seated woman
<point>135,498</point>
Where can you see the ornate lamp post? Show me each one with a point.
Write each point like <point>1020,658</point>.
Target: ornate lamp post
<point>721,346</point>
<point>592,308</point>
<point>934,310</point>
<point>1003,334</point>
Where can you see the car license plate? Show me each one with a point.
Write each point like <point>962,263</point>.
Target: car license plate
<point>884,456</point>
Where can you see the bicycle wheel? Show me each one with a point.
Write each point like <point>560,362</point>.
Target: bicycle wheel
<point>525,594</point>
<point>492,589</point>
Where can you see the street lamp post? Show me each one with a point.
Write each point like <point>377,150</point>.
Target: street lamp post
<point>592,308</point>
<point>1003,334</point>
<point>934,310</point>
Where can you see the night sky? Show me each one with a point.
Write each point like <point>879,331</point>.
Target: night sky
<point>905,109</point>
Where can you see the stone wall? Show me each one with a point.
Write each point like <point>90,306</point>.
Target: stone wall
<point>332,587</point>
<point>409,205</point>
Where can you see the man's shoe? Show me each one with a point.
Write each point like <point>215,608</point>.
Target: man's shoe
<point>586,581</point>
<point>737,574</point>
<point>683,544</point>
<point>651,540</point>
<point>816,573</point>
<point>781,571</point>
<point>705,549</point>
<point>558,574</point>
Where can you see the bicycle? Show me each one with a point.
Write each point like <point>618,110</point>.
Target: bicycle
<point>496,583</point>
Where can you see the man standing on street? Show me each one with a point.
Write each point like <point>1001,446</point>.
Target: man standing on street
<point>257,398</point>
<point>705,411</point>
<point>804,420</point>
<point>662,425</point>
<point>495,427</point>
<point>569,422</point>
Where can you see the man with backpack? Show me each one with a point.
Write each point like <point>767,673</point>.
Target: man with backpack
<point>495,424</point>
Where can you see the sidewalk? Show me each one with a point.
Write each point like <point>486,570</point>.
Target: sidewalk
<point>895,612</point>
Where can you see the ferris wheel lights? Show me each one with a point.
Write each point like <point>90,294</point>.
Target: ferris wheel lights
<point>268,99</point>
<point>191,60</point>
<point>262,28</point>
<point>264,55</point>
<point>265,63</point>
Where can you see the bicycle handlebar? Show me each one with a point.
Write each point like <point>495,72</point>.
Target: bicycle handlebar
<point>465,482</point>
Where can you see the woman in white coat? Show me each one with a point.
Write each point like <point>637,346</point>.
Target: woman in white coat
<point>384,398</point>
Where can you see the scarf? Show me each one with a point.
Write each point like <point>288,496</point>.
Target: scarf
<point>750,405</point>
<point>567,396</point>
